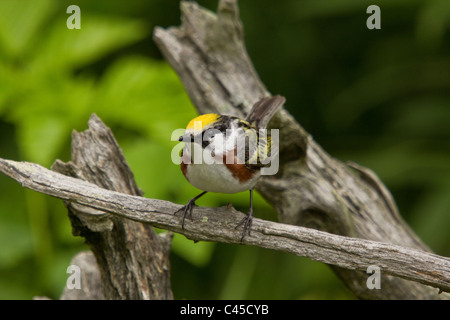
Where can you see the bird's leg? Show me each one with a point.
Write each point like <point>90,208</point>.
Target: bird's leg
<point>247,220</point>
<point>188,208</point>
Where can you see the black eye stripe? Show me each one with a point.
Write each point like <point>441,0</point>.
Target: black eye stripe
<point>206,137</point>
<point>205,144</point>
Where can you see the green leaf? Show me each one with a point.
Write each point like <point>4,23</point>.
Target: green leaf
<point>63,49</point>
<point>41,137</point>
<point>20,25</point>
<point>146,96</point>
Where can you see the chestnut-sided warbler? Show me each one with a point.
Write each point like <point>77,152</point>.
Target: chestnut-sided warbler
<point>226,154</point>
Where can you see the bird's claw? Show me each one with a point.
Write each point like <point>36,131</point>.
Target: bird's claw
<point>247,222</point>
<point>187,210</point>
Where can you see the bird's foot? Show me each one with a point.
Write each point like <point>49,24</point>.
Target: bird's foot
<point>247,222</point>
<point>187,211</point>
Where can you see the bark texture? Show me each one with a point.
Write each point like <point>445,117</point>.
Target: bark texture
<point>133,260</point>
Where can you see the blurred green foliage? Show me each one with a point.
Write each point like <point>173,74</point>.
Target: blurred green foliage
<point>377,97</point>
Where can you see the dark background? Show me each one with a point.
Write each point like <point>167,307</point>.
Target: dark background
<point>380,98</point>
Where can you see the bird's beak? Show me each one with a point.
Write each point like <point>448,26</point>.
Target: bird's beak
<point>186,138</point>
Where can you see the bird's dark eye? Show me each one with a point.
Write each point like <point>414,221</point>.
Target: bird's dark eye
<point>208,135</point>
<point>206,140</point>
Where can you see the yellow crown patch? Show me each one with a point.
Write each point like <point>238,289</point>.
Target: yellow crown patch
<point>204,119</point>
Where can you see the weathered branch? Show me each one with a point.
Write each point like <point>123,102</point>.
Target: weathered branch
<point>218,224</point>
<point>133,260</point>
<point>312,188</point>
<point>90,279</point>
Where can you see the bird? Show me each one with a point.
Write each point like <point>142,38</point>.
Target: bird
<point>225,154</point>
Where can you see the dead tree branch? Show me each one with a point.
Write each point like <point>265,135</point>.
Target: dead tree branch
<point>218,224</point>
<point>133,260</point>
<point>312,188</point>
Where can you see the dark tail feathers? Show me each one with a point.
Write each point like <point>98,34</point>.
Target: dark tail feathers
<point>263,110</point>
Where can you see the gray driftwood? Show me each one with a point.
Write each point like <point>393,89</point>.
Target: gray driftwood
<point>312,188</point>
<point>133,260</point>
<point>218,224</point>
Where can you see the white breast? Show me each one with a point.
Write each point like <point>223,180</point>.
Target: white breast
<point>211,176</point>
<point>217,178</point>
